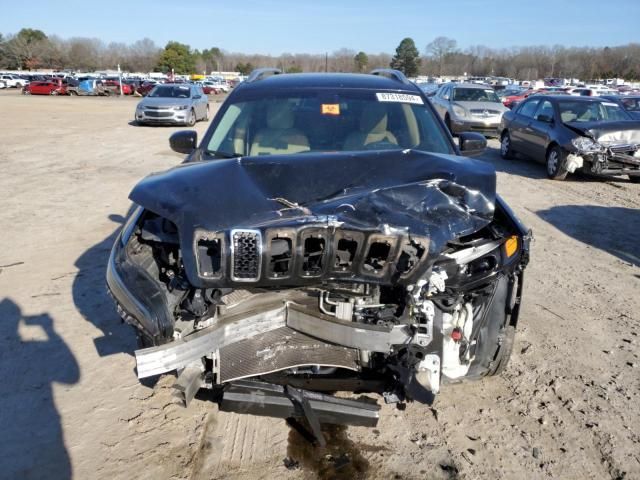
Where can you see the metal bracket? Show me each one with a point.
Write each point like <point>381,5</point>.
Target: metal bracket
<point>299,396</point>
<point>188,383</point>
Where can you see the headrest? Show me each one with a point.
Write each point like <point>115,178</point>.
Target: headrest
<point>373,118</point>
<point>280,116</point>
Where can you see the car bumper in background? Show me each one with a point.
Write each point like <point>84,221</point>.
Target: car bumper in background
<point>163,116</point>
<point>488,127</point>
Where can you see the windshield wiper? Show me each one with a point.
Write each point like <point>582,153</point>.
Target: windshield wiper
<point>221,154</point>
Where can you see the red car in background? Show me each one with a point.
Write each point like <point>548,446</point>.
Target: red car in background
<point>146,87</point>
<point>48,87</point>
<point>114,86</point>
<point>513,99</point>
<point>210,90</point>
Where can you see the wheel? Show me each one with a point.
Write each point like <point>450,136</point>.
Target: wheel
<point>191,121</point>
<point>206,114</point>
<point>53,92</point>
<point>506,151</point>
<point>556,164</point>
<point>506,339</point>
<point>634,179</point>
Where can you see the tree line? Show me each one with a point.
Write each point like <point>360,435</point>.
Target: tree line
<point>32,49</point>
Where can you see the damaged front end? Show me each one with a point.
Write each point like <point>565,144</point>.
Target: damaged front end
<point>611,148</point>
<point>276,281</point>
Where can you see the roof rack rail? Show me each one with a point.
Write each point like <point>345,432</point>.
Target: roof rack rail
<point>391,73</point>
<point>262,73</point>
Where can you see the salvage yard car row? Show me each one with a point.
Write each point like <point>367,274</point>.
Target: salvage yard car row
<point>92,85</point>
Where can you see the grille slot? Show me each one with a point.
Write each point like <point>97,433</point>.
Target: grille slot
<point>153,113</point>
<point>210,257</point>
<point>246,251</point>
<point>280,251</point>
<point>377,257</point>
<point>314,248</point>
<point>481,111</point>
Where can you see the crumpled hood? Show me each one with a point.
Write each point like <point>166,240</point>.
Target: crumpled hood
<point>442,197</point>
<point>609,132</point>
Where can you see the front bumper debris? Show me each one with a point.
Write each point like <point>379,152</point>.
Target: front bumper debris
<point>265,399</point>
<point>216,339</point>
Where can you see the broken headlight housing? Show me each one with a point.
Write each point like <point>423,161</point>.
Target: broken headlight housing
<point>585,144</point>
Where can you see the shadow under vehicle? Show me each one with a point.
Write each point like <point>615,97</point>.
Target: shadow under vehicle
<point>325,235</point>
<point>571,133</point>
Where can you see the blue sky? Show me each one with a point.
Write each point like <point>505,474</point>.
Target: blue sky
<point>274,27</point>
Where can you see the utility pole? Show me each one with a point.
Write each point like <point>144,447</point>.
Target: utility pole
<point>326,62</point>
<point>119,79</point>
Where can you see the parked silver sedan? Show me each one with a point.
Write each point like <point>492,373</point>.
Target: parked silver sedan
<point>467,107</point>
<point>173,103</point>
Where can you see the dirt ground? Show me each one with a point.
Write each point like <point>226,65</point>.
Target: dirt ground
<point>567,407</point>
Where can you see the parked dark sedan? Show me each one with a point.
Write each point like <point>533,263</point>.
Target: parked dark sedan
<point>573,133</point>
<point>631,104</point>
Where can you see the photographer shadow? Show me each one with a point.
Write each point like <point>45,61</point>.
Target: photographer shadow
<point>32,440</point>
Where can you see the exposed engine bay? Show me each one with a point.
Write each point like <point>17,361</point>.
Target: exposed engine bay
<point>389,283</point>
<point>612,149</point>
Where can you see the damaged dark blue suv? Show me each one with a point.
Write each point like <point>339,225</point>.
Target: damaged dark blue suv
<point>325,235</point>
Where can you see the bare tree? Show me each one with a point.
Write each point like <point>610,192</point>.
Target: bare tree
<point>439,48</point>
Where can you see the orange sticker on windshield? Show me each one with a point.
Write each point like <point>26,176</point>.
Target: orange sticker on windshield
<point>330,109</point>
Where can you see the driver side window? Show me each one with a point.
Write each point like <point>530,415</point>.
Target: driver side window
<point>528,108</point>
<point>545,110</point>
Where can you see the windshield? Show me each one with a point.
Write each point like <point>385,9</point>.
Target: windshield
<point>171,91</point>
<point>331,121</point>
<point>475,95</point>
<point>574,111</point>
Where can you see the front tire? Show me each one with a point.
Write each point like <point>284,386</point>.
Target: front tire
<point>506,150</point>
<point>206,114</point>
<point>192,118</point>
<point>556,164</point>
<point>506,339</point>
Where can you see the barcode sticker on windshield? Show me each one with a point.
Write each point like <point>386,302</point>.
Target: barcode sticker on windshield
<point>399,97</point>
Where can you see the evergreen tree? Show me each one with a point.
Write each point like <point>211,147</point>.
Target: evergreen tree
<point>407,58</point>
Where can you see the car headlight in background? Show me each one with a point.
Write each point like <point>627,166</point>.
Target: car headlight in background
<point>585,144</point>
<point>459,111</point>
<point>181,107</point>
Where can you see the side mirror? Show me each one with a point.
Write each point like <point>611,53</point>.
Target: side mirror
<point>472,143</point>
<point>184,141</point>
<point>545,118</point>
<point>196,97</point>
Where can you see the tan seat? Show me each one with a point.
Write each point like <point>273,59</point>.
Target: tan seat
<point>372,129</point>
<point>279,137</point>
